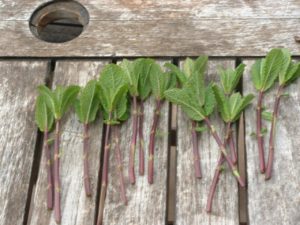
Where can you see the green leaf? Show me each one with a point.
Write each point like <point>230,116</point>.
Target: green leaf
<point>264,131</point>
<point>201,128</point>
<point>286,55</point>
<point>179,74</point>
<point>230,78</point>
<point>265,72</point>
<point>67,98</point>
<point>143,68</point>
<point>210,101</point>
<point>112,79</point>
<point>182,98</point>
<point>161,81</point>
<point>222,103</point>
<point>131,75</point>
<point>267,115</point>
<point>43,115</point>
<point>87,105</point>
<point>49,98</point>
<point>241,106</point>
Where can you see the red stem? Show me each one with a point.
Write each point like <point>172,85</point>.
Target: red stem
<point>223,150</point>
<point>152,142</point>
<point>49,172</point>
<point>232,148</point>
<point>272,134</point>
<point>57,185</point>
<point>119,165</point>
<point>141,140</point>
<point>86,177</point>
<point>104,180</point>
<point>218,172</point>
<point>260,139</point>
<point>196,154</point>
<point>133,142</point>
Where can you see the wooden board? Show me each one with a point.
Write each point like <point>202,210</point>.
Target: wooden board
<point>214,37</point>
<point>192,193</point>
<point>146,203</point>
<point>77,209</point>
<point>18,134</point>
<point>276,201</point>
<point>168,9</point>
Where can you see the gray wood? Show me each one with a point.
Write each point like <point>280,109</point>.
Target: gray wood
<point>192,193</point>
<point>215,37</point>
<point>18,82</point>
<point>168,9</point>
<point>276,201</point>
<point>146,203</point>
<point>77,209</point>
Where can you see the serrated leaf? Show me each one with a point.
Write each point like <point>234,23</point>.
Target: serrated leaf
<point>67,98</point>
<point>245,101</point>
<point>182,98</point>
<point>222,103</point>
<point>87,105</point>
<point>267,115</point>
<point>230,78</point>
<point>143,67</point>
<point>50,98</point>
<point>210,101</point>
<point>43,116</point>
<point>179,74</point>
<point>286,55</point>
<point>131,75</point>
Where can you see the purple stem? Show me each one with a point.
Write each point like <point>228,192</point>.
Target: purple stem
<point>57,185</point>
<point>86,177</point>
<point>196,154</point>
<point>141,140</point>
<point>49,172</point>
<point>272,134</point>
<point>152,142</point>
<point>260,139</point>
<point>133,142</point>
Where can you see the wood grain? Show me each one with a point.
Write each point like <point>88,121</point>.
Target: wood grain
<point>146,203</point>
<point>168,9</point>
<point>221,37</point>
<point>192,193</point>
<point>18,134</point>
<point>276,201</point>
<point>77,209</point>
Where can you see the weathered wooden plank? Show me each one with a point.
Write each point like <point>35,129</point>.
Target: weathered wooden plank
<point>215,37</point>
<point>192,193</point>
<point>76,207</point>
<point>168,9</point>
<point>276,201</point>
<point>146,203</point>
<point>18,82</point>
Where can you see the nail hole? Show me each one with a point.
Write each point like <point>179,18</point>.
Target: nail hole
<point>59,21</point>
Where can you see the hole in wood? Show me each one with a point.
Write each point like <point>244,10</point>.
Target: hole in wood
<point>59,21</point>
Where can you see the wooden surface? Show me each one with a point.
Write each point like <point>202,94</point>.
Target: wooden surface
<point>192,193</point>
<point>276,201</point>
<point>139,28</point>
<point>76,207</point>
<point>18,134</point>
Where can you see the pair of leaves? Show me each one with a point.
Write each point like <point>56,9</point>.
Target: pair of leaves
<point>231,106</point>
<point>43,116</point>
<point>59,100</point>
<point>190,67</point>
<point>112,92</point>
<point>265,71</point>
<point>290,70</point>
<point>160,81</point>
<point>230,78</point>
<point>88,103</point>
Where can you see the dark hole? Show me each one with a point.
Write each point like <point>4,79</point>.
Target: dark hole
<point>59,22</point>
